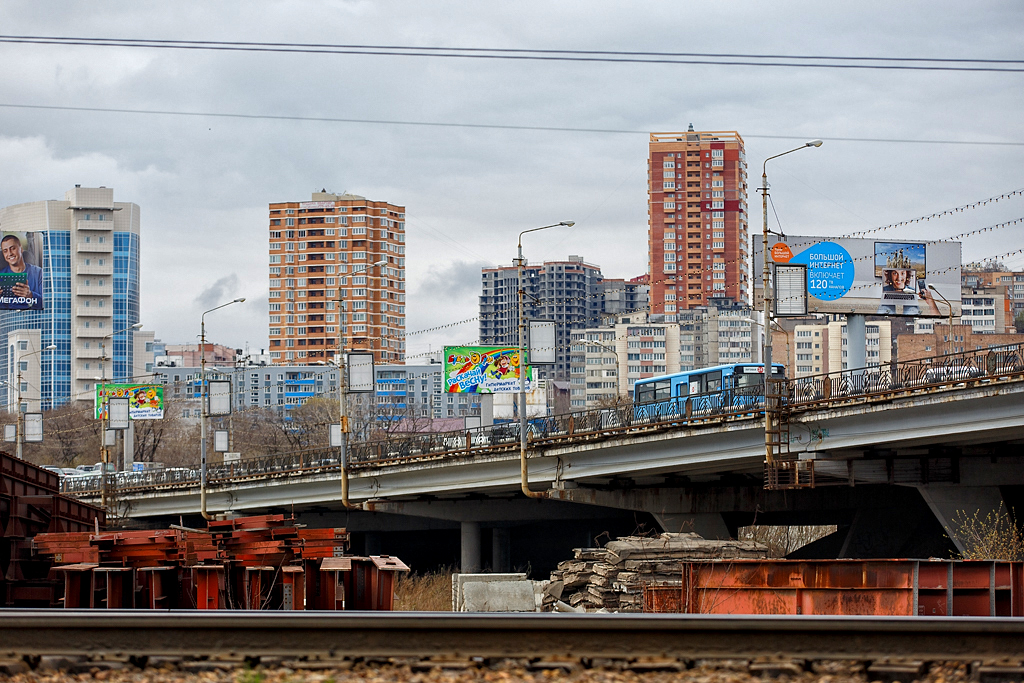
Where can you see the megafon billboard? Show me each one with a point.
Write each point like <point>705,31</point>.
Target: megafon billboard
<point>871,277</point>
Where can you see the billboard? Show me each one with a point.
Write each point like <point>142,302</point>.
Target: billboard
<point>145,401</point>
<point>871,277</point>
<point>21,275</point>
<point>483,370</point>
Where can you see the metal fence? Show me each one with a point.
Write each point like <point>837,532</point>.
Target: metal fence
<point>910,377</point>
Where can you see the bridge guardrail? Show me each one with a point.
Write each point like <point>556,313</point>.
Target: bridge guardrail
<point>803,393</point>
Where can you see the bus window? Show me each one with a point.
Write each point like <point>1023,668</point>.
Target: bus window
<point>662,390</point>
<point>749,379</point>
<point>695,385</point>
<point>645,393</point>
<point>714,381</point>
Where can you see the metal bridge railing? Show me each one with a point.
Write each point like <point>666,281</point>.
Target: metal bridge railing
<point>744,403</point>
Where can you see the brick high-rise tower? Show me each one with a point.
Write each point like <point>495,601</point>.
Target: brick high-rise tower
<point>324,281</point>
<point>697,204</point>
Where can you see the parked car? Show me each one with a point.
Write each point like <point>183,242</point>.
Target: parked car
<point>950,373</point>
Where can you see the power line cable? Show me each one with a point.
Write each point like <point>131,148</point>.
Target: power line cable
<point>682,58</point>
<point>481,126</point>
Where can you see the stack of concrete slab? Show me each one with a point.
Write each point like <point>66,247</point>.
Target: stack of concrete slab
<point>612,578</point>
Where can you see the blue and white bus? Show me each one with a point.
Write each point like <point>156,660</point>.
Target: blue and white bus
<point>700,392</point>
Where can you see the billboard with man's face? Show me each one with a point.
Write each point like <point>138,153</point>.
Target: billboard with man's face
<point>21,274</point>
<point>483,370</point>
<point>871,277</point>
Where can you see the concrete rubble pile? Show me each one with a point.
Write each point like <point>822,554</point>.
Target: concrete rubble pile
<point>612,578</point>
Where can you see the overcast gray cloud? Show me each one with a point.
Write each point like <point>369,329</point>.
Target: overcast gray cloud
<point>220,292</point>
<point>204,183</point>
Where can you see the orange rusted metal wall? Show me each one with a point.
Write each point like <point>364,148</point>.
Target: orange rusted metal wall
<point>843,587</point>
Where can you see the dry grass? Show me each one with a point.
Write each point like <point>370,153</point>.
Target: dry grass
<point>430,592</point>
<point>992,537</point>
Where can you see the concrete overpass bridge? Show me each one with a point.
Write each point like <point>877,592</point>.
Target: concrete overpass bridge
<point>890,457</point>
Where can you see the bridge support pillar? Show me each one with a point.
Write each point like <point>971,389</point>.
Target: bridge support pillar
<point>470,563</point>
<point>953,504</point>
<point>372,543</point>
<point>501,559</point>
<point>708,525</point>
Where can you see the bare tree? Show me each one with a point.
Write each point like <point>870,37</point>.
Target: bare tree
<point>71,436</point>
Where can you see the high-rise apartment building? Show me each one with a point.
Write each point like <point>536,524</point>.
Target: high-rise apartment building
<point>697,206</point>
<point>90,262</point>
<point>337,274</point>
<point>607,361</point>
<point>567,292</point>
<point>719,334</point>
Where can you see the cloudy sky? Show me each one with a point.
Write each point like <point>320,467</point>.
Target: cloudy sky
<point>204,182</point>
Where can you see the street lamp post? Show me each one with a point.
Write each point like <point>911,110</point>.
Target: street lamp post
<point>950,306</point>
<point>20,423</point>
<point>104,411</point>
<point>767,295</point>
<point>521,264</point>
<point>204,411</point>
<point>343,395</point>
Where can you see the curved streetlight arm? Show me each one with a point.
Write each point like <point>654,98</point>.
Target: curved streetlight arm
<point>948,304</point>
<point>809,143</point>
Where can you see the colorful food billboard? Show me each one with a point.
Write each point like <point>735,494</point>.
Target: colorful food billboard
<point>483,370</point>
<point>145,401</point>
<point>871,277</point>
<point>21,274</point>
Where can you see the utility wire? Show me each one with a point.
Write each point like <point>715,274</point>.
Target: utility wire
<point>483,126</point>
<point>686,58</point>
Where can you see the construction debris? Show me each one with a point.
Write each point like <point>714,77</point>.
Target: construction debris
<point>613,578</point>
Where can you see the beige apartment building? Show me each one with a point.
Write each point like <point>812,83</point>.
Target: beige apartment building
<point>337,278</point>
<point>607,361</point>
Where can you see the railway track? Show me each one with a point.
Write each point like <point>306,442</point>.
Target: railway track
<point>339,637</point>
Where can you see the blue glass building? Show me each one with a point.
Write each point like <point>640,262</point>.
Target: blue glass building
<point>90,266</point>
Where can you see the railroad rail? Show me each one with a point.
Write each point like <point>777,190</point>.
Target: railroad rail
<point>1004,364</point>
<point>340,636</point>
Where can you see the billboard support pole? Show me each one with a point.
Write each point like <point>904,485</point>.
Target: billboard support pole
<point>769,394</point>
<point>104,414</point>
<point>520,264</point>
<point>204,407</point>
<point>20,422</point>
<point>856,341</point>
<point>342,395</point>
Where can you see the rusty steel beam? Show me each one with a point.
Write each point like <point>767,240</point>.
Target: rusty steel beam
<point>526,635</point>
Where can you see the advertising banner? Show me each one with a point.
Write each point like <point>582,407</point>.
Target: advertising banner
<point>145,401</point>
<point>21,274</point>
<point>871,277</point>
<point>483,370</point>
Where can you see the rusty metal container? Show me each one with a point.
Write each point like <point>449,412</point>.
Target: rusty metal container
<point>843,587</point>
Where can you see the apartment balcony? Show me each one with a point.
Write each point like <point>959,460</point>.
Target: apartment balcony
<point>93,311</point>
<point>96,225</point>
<point>92,332</point>
<point>89,354</point>
<point>88,375</point>
<point>94,247</point>
<point>96,290</point>
<point>95,269</point>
